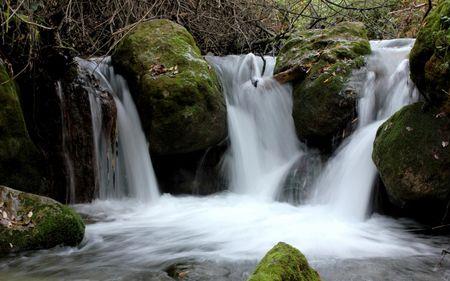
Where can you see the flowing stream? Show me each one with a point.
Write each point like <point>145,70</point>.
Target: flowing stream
<point>222,236</point>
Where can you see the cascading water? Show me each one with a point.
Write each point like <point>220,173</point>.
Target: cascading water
<point>127,171</point>
<point>263,141</point>
<point>225,234</point>
<point>70,193</point>
<point>346,183</point>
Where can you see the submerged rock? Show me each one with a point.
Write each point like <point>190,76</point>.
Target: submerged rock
<point>176,92</point>
<point>412,154</point>
<point>323,61</point>
<point>21,163</point>
<point>30,222</point>
<point>284,263</point>
<point>430,56</point>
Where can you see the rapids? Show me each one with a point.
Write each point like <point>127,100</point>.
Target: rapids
<point>222,236</point>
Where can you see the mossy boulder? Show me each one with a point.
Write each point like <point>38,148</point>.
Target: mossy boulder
<point>324,98</point>
<point>177,94</point>
<point>284,263</point>
<point>412,154</point>
<point>30,222</point>
<point>21,163</point>
<point>430,56</point>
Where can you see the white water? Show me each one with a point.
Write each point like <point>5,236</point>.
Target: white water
<point>264,145</point>
<point>347,181</point>
<point>130,237</point>
<point>127,172</point>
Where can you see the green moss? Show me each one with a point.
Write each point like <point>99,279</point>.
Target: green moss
<point>50,224</point>
<point>284,263</point>
<point>430,56</point>
<point>412,154</point>
<point>324,103</point>
<point>20,161</point>
<point>182,109</point>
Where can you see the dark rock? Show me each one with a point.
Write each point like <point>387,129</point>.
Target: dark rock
<point>198,173</point>
<point>78,141</point>
<point>21,163</point>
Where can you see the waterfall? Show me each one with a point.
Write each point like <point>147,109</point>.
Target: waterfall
<point>124,168</point>
<point>70,192</point>
<point>347,180</point>
<point>264,144</point>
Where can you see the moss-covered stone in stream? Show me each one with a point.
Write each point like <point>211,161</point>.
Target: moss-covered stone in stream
<point>30,222</point>
<point>284,263</point>
<point>430,56</point>
<point>412,154</point>
<point>21,164</point>
<point>177,94</point>
<point>324,100</point>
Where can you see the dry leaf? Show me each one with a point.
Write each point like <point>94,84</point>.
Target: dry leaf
<point>444,144</point>
<point>5,215</point>
<point>30,214</point>
<point>436,156</point>
<point>409,129</point>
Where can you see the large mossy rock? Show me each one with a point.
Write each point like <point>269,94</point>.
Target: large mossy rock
<point>176,92</point>
<point>412,154</point>
<point>21,163</point>
<point>324,100</point>
<point>30,222</point>
<point>284,263</point>
<point>430,56</point>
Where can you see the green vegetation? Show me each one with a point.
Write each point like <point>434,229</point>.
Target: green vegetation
<point>324,102</point>
<point>412,154</point>
<point>20,161</point>
<point>284,263</point>
<point>177,93</point>
<point>430,57</point>
<point>30,222</point>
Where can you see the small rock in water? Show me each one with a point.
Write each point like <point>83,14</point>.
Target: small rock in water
<point>255,82</point>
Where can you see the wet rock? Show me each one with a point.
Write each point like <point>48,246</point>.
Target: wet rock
<point>412,155</point>
<point>198,173</point>
<point>176,92</point>
<point>208,270</point>
<point>430,56</point>
<point>21,163</point>
<point>299,182</point>
<point>284,263</point>
<point>323,61</point>
<point>78,147</point>
<point>30,222</point>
